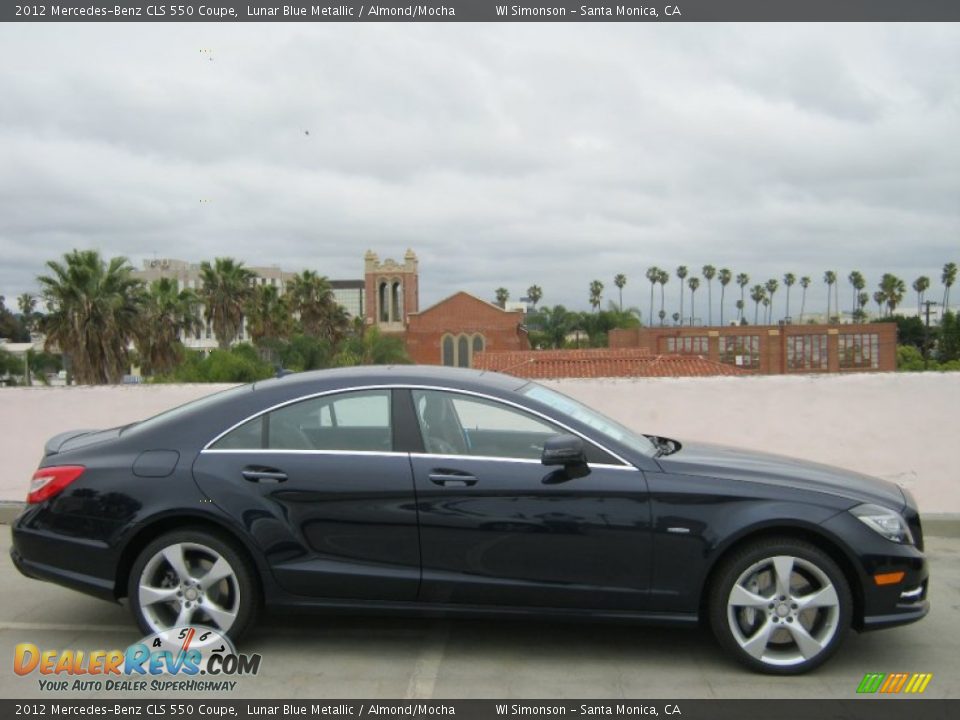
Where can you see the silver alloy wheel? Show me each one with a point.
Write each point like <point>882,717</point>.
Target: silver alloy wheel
<point>783,610</point>
<point>188,583</point>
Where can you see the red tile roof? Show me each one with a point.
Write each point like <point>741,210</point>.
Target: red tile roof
<point>600,363</point>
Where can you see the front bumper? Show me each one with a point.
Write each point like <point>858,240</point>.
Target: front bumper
<point>883,606</point>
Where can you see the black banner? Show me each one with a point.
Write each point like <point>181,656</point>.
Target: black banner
<point>485,11</point>
<point>781,709</point>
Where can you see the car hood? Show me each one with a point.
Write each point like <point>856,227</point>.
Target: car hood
<point>737,464</point>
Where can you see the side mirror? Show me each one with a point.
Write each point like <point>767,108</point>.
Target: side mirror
<point>563,450</point>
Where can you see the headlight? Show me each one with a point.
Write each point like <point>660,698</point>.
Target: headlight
<point>888,523</point>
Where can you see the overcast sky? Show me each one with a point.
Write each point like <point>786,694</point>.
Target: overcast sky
<point>503,154</point>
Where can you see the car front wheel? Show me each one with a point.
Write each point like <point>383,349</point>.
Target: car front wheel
<point>192,577</point>
<point>780,606</point>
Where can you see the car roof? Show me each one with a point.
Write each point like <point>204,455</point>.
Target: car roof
<point>463,378</point>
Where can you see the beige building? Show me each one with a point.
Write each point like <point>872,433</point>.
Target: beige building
<point>347,293</point>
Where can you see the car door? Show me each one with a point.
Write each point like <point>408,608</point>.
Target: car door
<point>498,527</point>
<point>318,485</point>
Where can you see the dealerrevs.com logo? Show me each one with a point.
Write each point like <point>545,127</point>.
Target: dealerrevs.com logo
<point>892,683</point>
<point>169,661</point>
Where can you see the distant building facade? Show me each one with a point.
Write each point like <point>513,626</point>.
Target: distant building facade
<point>774,349</point>
<point>391,291</point>
<point>347,293</point>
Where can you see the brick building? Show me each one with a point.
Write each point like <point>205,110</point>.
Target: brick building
<point>391,291</point>
<point>456,329</point>
<point>774,349</point>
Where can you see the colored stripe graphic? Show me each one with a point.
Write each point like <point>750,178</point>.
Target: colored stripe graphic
<point>893,683</point>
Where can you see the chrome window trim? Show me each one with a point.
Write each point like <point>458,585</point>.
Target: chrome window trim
<point>405,386</point>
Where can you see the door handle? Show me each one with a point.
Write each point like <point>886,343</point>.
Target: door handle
<point>452,479</point>
<point>265,475</point>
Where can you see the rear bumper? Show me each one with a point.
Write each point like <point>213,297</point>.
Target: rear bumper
<point>88,584</point>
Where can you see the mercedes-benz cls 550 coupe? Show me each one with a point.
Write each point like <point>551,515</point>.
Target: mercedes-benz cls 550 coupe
<point>462,493</point>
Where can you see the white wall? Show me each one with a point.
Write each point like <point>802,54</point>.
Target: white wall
<point>903,427</point>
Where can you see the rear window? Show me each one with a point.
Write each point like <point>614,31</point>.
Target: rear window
<point>186,409</point>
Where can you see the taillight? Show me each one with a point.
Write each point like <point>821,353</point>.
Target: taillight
<point>49,481</point>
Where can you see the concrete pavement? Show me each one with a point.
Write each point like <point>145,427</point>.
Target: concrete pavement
<point>353,657</point>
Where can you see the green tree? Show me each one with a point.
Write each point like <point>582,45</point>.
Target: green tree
<point>268,318</point>
<point>372,348</point>
<point>858,283</point>
<point>596,294</point>
<point>920,286</point>
<point>757,294</point>
<point>310,297</point>
<point>682,273</point>
<point>226,286</point>
<point>804,284</point>
<point>789,280</point>
<point>167,313</point>
<point>555,324</point>
<point>620,280</point>
<point>742,280</point>
<point>95,313</point>
<point>693,283</point>
<point>948,340</point>
<point>502,295</point>
<point>725,277</point>
<point>663,278</point>
<point>739,305</point>
<point>709,272</point>
<point>653,277</point>
<point>948,278</point>
<point>772,286</point>
<point>830,278</point>
<point>534,294</point>
<point>879,297</point>
<point>28,306</point>
<point>863,299</point>
<point>893,289</point>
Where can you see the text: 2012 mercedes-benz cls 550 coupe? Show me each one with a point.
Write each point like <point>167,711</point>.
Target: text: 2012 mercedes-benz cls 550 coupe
<point>407,489</point>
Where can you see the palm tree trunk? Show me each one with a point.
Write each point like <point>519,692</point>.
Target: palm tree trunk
<point>709,303</point>
<point>756,311</point>
<point>723,291</point>
<point>651,305</point>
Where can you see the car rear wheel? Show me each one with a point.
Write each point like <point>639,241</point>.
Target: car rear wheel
<point>780,606</point>
<point>192,577</point>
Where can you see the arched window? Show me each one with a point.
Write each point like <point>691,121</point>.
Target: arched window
<point>384,302</point>
<point>478,344</point>
<point>447,350</point>
<point>463,351</point>
<point>395,314</point>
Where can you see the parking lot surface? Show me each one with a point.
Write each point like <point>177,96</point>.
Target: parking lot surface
<point>335,656</point>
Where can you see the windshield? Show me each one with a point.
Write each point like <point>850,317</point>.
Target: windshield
<point>602,424</point>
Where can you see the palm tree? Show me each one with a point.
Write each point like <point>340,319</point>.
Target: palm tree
<point>372,347</point>
<point>94,313</point>
<point>28,305</point>
<point>555,324</point>
<point>742,280</point>
<point>534,295</point>
<point>757,294</point>
<point>948,278</point>
<point>830,278</point>
<point>789,279</point>
<point>502,295</point>
<point>880,297</point>
<point>168,313</point>
<point>863,298</point>
<point>772,286</point>
<point>226,287</point>
<point>739,306</point>
<point>596,294</point>
<point>663,278</point>
<point>858,282</point>
<point>268,316</point>
<point>893,289</point>
<point>920,286</point>
<point>681,274</point>
<point>620,280</point>
<point>653,275</point>
<point>709,272</point>
<point>725,277</point>
<point>693,283</point>
<point>311,298</point>
<point>804,283</point>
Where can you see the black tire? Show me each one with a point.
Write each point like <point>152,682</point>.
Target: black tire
<point>739,624</point>
<point>238,593</point>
